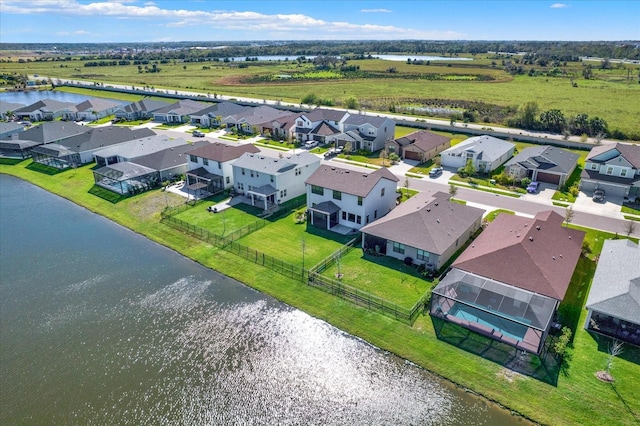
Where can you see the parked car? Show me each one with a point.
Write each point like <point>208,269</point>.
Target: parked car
<point>197,134</point>
<point>310,144</point>
<point>533,187</point>
<point>599,195</point>
<point>330,153</point>
<point>435,172</point>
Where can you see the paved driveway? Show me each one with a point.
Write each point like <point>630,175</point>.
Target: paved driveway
<point>611,207</point>
<point>544,194</point>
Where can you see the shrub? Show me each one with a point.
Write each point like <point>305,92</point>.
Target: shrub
<point>561,345</point>
<point>408,260</point>
<point>525,182</point>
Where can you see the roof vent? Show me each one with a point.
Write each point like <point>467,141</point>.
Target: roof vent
<point>438,220</point>
<point>538,228</point>
<point>436,204</point>
<point>346,171</point>
<point>530,238</point>
<point>553,257</point>
<point>428,209</point>
<point>569,236</point>
<point>333,168</point>
<point>560,256</point>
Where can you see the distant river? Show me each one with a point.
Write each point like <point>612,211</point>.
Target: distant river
<point>31,96</point>
<point>99,325</point>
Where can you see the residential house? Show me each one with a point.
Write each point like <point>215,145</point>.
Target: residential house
<point>420,146</point>
<point>178,112</point>
<point>209,166</point>
<point>78,150</point>
<point>147,171</point>
<point>543,164</point>
<point>262,119</point>
<point>7,130</point>
<point>284,127</point>
<point>127,151</point>
<point>428,228</point>
<point>321,125</point>
<point>214,115</point>
<point>90,110</point>
<point>43,110</point>
<point>615,168</point>
<point>509,282</point>
<point>19,145</point>
<point>349,199</point>
<point>486,153</point>
<point>7,109</point>
<point>268,181</point>
<point>140,110</point>
<point>613,304</point>
<point>366,132</point>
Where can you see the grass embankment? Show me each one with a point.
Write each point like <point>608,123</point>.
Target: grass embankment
<point>577,398</point>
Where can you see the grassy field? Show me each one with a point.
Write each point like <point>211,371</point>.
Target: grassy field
<point>576,398</point>
<point>222,223</point>
<point>409,84</point>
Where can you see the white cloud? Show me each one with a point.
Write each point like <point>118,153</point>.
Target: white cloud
<point>252,24</point>
<point>376,11</point>
<point>559,6</point>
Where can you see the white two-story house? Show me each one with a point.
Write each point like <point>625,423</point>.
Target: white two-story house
<point>367,132</point>
<point>210,165</point>
<point>321,125</point>
<point>615,168</point>
<point>342,199</point>
<point>268,181</point>
<point>486,153</point>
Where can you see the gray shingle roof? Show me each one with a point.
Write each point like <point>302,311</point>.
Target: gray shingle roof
<point>95,104</point>
<point>53,131</point>
<point>45,104</point>
<point>9,106</point>
<point>139,147</point>
<point>320,114</point>
<point>261,115</point>
<point>348,181</point>
<point>182,107</point>
<point>222,152</point>
<point>545,158</point>
<point>170,157</point>
<point>275,165</point>
<point>98,137</point>
<point>615,289</point>
<point>10,128</point>
<point>426,221</point>
<point>145,105</point>
<point>630,152</point>
<point>490,148</point>
<point>360,119</point>
<point>536,254</point>
<point>223,109</point>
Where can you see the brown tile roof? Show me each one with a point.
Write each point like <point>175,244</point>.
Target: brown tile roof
<point>536,254</point>
<point>221,152</point>
<point>348,181</point>
<point>426,221</point>
<point>423,139</point>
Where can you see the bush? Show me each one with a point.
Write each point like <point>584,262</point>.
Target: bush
<point>561,345</point>
<point>408,261</point>
<point>525,182</point>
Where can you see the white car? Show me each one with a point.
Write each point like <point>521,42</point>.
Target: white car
<point>310,144</point>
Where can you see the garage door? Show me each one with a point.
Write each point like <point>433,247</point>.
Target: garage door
<point>411,155</point>
<point>548,178</point>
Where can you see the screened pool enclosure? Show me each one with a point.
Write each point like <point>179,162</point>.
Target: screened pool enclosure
<point>499,311</point>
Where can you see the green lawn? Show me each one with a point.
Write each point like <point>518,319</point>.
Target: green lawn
<point>222,223</point>
<point>283,239</point>
<point>577,398</point>
<point>382,276</point>
<point>490,217</point>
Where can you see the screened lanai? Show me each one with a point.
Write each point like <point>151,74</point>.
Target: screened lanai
<point>499,311</point>
<point>126,178</point>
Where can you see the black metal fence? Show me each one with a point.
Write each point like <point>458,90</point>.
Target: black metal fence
<point>312,276</point>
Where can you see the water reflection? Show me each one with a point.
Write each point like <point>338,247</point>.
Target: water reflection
<point>104,327</point>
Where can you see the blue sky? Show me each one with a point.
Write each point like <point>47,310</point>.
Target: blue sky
<point>58,21</point>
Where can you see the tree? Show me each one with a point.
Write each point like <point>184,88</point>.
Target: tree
<point>597,125</point>
<point>469,168</point>
<point>347,148</point>
<point>383,156</point>
<point>615,349</point>
<point>453,190</point>
<point>351,103</point>
<point>406,185</point>
<point>528,115</point>
<point>568,215</point>
<point>629,227</point>
<point>553,120</point>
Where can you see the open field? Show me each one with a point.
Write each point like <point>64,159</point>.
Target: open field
<point>609,94</point>
<point>577,398</point>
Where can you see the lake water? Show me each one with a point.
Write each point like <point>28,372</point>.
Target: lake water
<point>403,58</point>
<point>33,96</point>
<point>101,326</point>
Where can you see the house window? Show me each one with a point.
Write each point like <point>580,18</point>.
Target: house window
<point>609,170</point>
<point>298,172</point>
<point>375,214</point>
<point>382,192</point>
<point>423,255</point>
<point>227,180</point>
<point>193,158</point>
<point>594,166</point>
<point>205,161</point>
<point>219,164</point>
<point>271,178</point>
<point>242,172</point>
<point>344,215</point>
<point>398,247</point>
<point>623,172</point>
<point>352,217</point>
<point>367,219</point>
<point>317,190</point>
<point>337,195</point>
<point>359,201</point>
<point>358,219</point>
<point>251,173</point>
